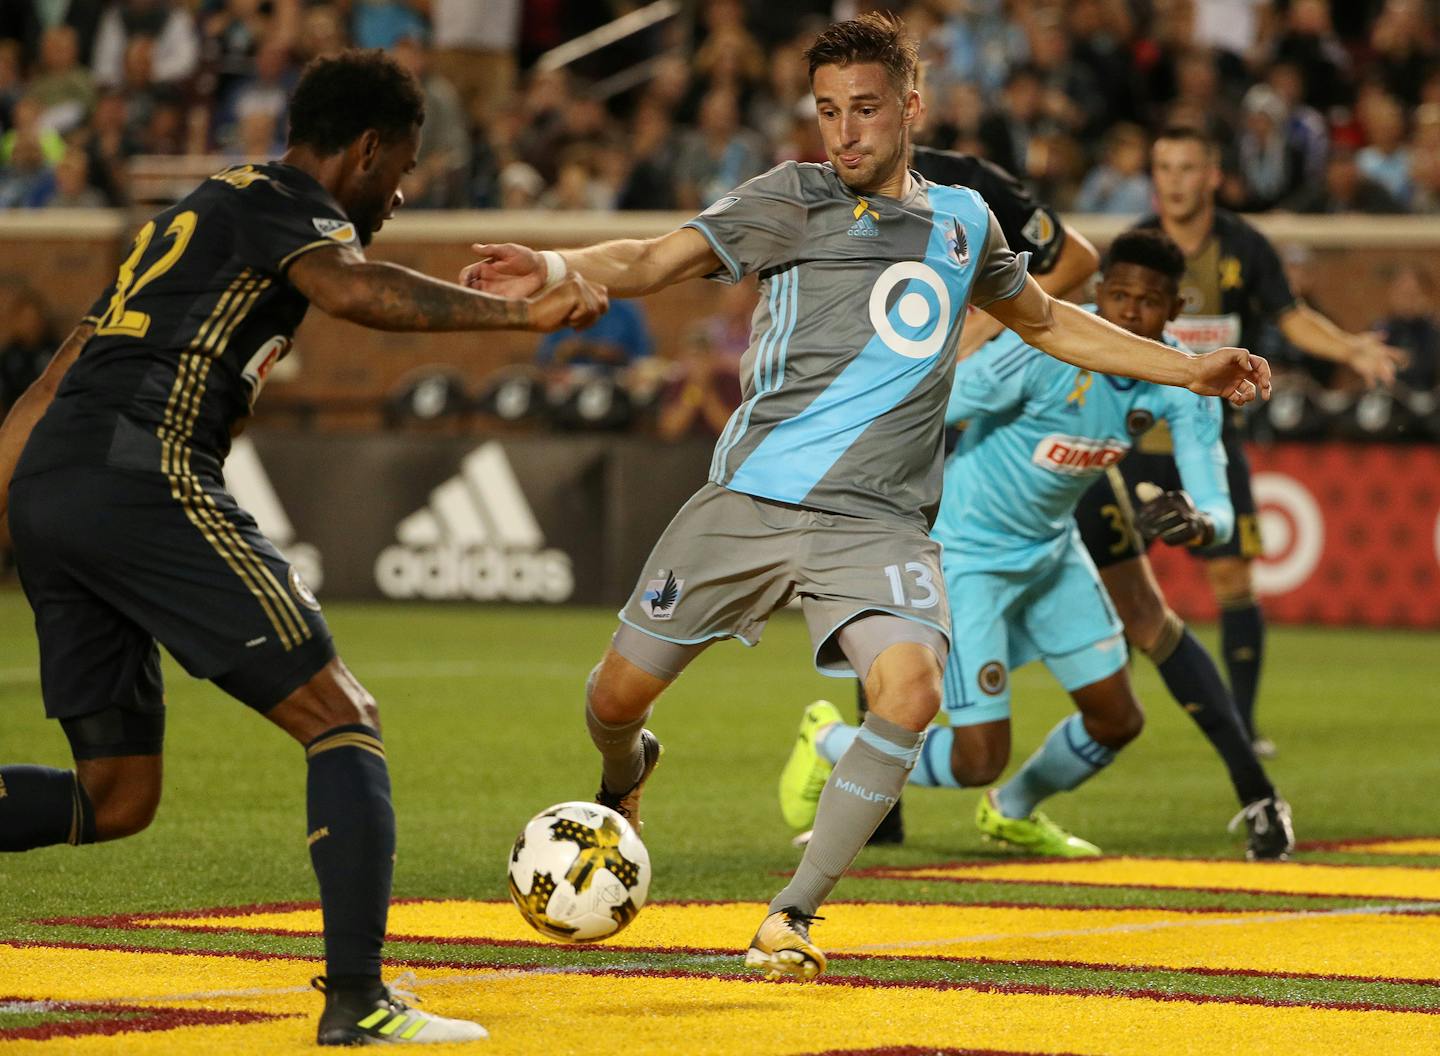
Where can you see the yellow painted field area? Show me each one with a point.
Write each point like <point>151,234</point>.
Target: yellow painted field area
<point>1362,944</point>
<point>567,1012</point>
<point>1293,878</point>
<point>1410,845</point>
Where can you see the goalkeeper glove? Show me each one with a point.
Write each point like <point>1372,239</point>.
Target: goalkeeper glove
<point>1171,517</point>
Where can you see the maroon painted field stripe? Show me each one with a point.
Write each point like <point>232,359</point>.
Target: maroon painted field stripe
<point>145,1020</point>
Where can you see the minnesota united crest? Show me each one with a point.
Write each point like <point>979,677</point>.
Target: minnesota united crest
<point>660,596</point>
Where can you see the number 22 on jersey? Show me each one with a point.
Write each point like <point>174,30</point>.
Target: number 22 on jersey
<point>120,319</point>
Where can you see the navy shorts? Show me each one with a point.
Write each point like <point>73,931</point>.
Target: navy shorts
<point>114,561</point>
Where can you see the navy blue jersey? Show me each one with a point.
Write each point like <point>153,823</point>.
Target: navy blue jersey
<point>198,314</point>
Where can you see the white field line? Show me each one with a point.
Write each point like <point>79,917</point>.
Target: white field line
<point>1180,922</point>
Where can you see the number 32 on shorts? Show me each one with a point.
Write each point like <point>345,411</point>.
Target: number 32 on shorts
<point>918,594</point>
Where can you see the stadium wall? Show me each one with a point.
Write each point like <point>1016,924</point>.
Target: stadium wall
<point>70,255</point>
<point>1352,531</point>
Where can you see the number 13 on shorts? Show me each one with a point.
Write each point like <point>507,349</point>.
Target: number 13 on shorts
<point>912,585</point>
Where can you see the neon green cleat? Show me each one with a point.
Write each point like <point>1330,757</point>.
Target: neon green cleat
<point>806,771</point>
<point>1036,834</point>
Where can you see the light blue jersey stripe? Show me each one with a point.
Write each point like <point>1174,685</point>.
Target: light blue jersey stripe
<point>784,298</point>
<point>800,451</point>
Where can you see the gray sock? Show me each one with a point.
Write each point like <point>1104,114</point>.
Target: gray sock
<point>862,788</point>
<point>619,748</point>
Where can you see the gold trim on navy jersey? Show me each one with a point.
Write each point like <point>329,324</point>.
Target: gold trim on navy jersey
<point>182,411</point>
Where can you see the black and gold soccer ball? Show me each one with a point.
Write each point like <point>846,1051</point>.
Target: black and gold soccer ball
<point>578,872</point>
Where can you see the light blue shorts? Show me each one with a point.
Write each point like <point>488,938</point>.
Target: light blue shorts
<point>1058,613</point>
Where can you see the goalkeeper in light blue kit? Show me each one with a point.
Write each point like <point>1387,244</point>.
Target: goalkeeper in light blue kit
<point>1023,587</point>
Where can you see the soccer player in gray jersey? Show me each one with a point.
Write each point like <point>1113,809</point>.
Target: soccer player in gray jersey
<point>824,484</point>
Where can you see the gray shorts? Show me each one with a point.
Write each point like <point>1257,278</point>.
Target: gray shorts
<point>728,560</point>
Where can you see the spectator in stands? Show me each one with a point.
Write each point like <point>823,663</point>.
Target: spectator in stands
<point>701,393</point>
<point>322,32</point>
<point>63,87</point>
<point>650,182</point>
<point>26,21</point>
<point>1403,44</point>
<point>263,98</point>
<point>1310,42</point>
<point>438,181</point>
<point>476,45</point>
<point>611,345</point>
<point>718,154</point>
<point>1348,190</point>
<point>953,119</point>
<point>72,185</point>
<point>30,341</point>
<point>27,123</point>
<point>1007,129</point>
<point>1305,129</point>
<point>1202,92</point>
<point>579,183</point>
<point>257,136</point>
<point>1271,166</point>
<point>384,23</point>
<point>1120,183</point>
<point>771,111</point>
<point>1284,357</point>
<point>1425,179</point>
<point>1073,100</point>
<point>1386,158</point>
<point>12,80</point>
<point>1100,31</point>
<point>167,23</point>
<point>1410,323</point>
<point>109,147</point>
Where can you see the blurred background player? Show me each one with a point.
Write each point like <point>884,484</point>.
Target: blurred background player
<point>1039,433</point>
<point>1233,281</point>
<point>110,472</point>
<point>826,481</point>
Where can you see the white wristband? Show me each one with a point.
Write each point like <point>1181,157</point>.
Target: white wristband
<point>555,267</point>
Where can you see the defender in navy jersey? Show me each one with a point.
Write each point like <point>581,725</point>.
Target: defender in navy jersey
<point>825,482</point>
<point>124,534</point>
<point>1233,281</point>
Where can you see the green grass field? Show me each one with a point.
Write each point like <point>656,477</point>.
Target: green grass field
<point>483,726</point>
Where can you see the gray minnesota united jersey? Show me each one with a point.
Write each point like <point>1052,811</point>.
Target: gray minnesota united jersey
<point>852,345</point>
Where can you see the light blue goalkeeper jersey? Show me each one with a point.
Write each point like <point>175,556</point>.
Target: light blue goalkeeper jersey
<point>853,341</point>
<point>1040,431</point>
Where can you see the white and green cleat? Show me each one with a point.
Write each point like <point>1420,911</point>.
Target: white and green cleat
<point>1036,834</point>
<point>806,771</point>
<point>386,1017</point>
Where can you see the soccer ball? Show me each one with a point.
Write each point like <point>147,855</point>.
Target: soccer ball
<point>578,872</point>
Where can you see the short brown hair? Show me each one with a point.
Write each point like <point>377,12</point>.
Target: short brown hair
<point>878,37</point>
<point>1190,134</point>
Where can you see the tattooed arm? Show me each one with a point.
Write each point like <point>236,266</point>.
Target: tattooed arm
<point>28,409</point>
<point>342,283</point>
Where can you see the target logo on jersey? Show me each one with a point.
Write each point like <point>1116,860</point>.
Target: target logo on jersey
<point>1077,455</point>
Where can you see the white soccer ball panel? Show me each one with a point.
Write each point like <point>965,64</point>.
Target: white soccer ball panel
<point>579,872</point>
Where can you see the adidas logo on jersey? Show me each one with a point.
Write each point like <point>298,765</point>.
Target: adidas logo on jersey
<point>476,539</point>
<point>865,227</point>
<point>1077,455</point>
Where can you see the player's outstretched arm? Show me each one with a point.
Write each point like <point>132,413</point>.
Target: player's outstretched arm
<point>1365,354</point>
<point>1078,260</point>
<point>1071,334</point>
<point>342,283</point>
<point>627,267</point>
<point>28,410</point>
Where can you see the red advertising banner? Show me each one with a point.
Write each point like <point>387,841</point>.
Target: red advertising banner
<point>1351,533</point>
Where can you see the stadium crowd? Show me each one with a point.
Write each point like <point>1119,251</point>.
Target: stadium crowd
<point>1322,107</point>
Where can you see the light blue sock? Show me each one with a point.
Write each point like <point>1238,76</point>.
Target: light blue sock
<point>1068,757</point>
<point>932,770</point>
<point>832,743</point>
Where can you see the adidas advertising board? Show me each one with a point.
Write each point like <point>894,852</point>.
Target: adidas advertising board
<point>419,517</point>
<point>476,538</point>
